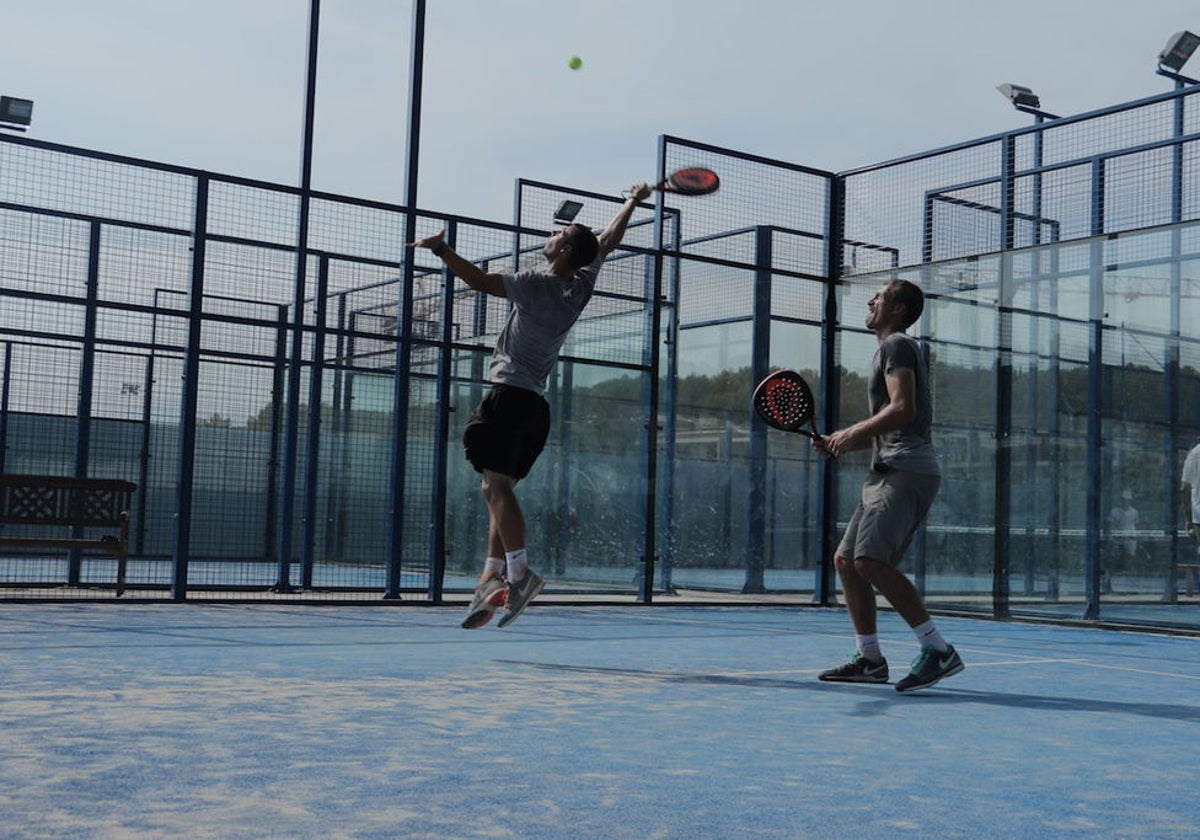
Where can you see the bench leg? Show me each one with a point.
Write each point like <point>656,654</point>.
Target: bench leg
<point>122,553</point>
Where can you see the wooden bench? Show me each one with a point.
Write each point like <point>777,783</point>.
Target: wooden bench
<point>59,501</point>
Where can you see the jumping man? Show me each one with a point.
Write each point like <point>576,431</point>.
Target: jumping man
<point>507,431</point>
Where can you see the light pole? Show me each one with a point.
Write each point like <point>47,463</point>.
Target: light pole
<point>1174,55</point>
<point>1025,100</point>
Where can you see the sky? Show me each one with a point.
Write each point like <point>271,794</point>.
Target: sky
<point>219,84</point>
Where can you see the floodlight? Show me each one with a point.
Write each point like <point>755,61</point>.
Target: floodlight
<point>1019,95</point>
<point>567,211</point>
<point>1178,50</point>
<point>15,113</point>
<point>1024,99</point>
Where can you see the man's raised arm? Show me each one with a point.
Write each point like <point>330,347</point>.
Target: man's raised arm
<point>615,232</point>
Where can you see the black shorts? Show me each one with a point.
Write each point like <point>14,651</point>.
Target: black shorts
<point>507,431</point>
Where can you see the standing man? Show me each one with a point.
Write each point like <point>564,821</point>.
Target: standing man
<point>507,431</point>
<point>896,496</point>
<point>1189,486</point>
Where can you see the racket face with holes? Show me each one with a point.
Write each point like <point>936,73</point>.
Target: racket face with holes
<point>692,181</point>
<point>784,401</point>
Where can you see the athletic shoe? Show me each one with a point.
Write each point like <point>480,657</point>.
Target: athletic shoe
<point>858,670</point>
<point>489,596</point>
<point>930,666</point>
<point>520,594</point>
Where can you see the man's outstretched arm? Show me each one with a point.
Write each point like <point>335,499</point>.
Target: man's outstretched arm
<point>467,271</point>
<point>615,232</point>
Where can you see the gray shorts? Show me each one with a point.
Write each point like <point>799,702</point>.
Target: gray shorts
<point>893,505</point>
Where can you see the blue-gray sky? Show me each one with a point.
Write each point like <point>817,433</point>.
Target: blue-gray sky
<point>218,84</point>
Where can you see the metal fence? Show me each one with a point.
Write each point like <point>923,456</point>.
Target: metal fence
<point>290,410</point>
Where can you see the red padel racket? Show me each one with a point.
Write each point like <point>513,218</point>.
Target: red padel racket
<point>691,181</point>
<point>784,401</point>
<point>694,180</point>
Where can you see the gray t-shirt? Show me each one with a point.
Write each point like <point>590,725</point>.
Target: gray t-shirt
<point>544,308</point>
<point>909,447</point>
<point>1191,477</point>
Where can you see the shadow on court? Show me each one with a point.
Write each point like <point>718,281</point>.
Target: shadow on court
<point>941,693</point>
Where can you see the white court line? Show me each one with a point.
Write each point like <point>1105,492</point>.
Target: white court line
<point>1084,662</point>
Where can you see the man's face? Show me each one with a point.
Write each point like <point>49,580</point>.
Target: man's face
<point>880,308</point>
<point>558,241</point>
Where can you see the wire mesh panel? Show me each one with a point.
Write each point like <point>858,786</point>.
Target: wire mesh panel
<point>158,325</point>
<point>754,192</point>
<point>95,186</point>
<point>1123,169</point>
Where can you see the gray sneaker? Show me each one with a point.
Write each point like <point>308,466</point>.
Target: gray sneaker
<point>520,594</point>
<point>930,666</point>
<point>489,596</point>
<point>858,670</point>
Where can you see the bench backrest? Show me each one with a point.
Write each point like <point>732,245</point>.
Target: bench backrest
<point>60,500</point>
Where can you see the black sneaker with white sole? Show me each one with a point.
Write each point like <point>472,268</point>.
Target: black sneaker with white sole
<point>930,666</point>
<point>858,670</point>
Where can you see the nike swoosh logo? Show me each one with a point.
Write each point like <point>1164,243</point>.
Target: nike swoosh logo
<point>945,663</point>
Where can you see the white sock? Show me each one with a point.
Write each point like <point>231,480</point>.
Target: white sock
<point>493,567</point>
<point>868,646</point>
<point>927,634</point>
<point>517,564</point>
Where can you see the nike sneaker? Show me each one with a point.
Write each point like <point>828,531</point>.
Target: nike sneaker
<point>490,596</point>
<point>930,666</point>
<point>858,670</point>
<point>520,593</point>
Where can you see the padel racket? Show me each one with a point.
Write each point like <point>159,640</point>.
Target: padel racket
<point>691,181</point>
<point>784,401</point>
<point>694,180</point>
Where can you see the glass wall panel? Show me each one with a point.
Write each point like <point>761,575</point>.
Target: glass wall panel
<point>1094,370</point>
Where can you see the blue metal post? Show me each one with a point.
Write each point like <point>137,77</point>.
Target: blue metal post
<point>670,417</point>
<point>87,373</point>
<point>401,388</point>
<point>187,410</point>
<point>830,388</point>
<point>312,475</point>
<point>291,431</point>
<point>1002,479</point>
<point>1095,402</point>
<point>143,482</point>
<point>1171,387</point>
<point>760,352</point>
<point>650,356</point>
<point>441,437</point>
<point>277,432</point>
<point>1054,431</point>
<point>1034,487</point>
<point>5,390</point>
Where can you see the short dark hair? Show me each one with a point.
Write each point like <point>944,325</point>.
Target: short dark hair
<point>911,296</point>
<point>584,245</point>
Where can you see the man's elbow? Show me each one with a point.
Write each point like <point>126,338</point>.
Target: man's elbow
<point>905,413</point>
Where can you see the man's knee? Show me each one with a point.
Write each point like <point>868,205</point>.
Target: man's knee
<point>865,567</point>
<point>494,486</point>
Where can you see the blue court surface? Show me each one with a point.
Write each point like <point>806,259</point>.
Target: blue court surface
<point>252,720</point>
